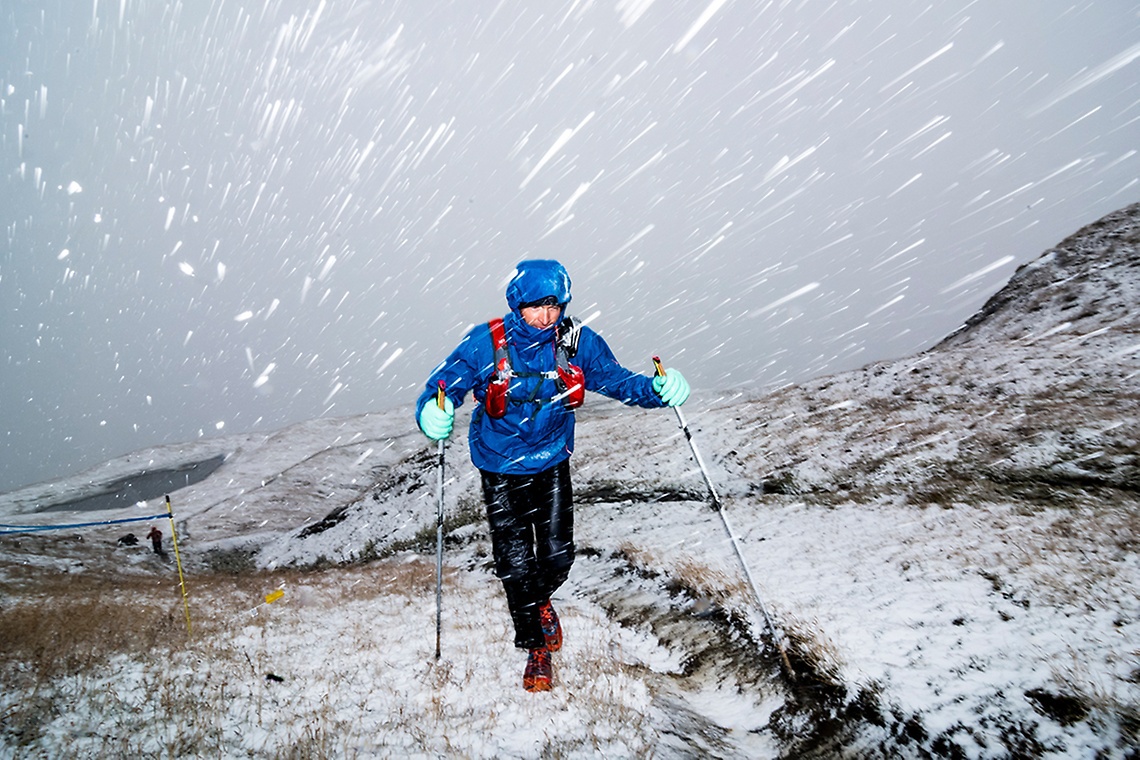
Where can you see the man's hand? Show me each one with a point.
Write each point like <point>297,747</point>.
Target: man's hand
<point>671,387</point>
<point>436,423</point>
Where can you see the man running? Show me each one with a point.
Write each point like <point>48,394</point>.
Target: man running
<point>527,373</point>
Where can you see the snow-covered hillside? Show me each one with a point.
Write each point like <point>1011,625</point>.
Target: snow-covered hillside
<point>949,540</point>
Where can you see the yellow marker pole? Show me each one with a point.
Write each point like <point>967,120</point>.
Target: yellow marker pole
<point>178,561</point>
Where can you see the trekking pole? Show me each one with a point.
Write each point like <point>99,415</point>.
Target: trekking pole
<point>777,634</point>
<point>439,399</point>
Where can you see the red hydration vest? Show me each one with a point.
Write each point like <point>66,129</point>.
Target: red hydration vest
<point>570,379</point>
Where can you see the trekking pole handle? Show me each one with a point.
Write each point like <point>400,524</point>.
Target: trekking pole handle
<point>439,395</point>
<point>658,370</point>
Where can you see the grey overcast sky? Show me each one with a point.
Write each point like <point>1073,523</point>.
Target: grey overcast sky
<point>224,216</point>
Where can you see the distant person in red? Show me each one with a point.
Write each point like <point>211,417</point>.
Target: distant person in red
<point>155,537</point>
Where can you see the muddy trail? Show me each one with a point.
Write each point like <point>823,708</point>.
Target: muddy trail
<point>724,658</point>
<point>724,655</point>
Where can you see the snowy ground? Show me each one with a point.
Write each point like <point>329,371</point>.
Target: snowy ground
<point>949,542</point>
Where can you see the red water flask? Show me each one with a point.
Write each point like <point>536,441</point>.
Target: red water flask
<point>574,379</point>
<point>495,402</point>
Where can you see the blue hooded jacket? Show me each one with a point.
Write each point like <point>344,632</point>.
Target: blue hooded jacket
<point>536,435</point>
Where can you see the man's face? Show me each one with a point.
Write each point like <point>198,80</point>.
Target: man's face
<point>541,317</point>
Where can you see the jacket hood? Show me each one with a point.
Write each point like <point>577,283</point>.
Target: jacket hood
<point>536,279</point>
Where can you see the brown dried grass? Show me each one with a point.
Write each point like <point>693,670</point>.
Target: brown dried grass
<point>60,624</point>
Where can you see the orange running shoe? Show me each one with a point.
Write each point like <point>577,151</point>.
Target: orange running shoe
<point>551,628</point>
<point>538,676</point>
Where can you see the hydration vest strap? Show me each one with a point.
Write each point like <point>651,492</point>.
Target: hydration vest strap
<point>569,330</point>
<point>499,339</point>
<point>565,347</point>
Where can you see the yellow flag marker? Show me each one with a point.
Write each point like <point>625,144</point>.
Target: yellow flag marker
<point>273,596</point>
<point>178,560</point>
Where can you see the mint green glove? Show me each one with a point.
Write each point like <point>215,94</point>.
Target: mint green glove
<point>671,387</point>
<point>435,422</point>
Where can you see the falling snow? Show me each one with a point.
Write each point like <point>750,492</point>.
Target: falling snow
<point>222,176</point>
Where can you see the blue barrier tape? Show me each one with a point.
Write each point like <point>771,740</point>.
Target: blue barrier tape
<point>8,529</point>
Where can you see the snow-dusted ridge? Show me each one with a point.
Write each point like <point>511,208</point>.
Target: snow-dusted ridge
<point>952,536</point>
<point>1084,286</point>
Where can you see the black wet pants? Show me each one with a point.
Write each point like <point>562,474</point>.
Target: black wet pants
<point>532,536</point>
